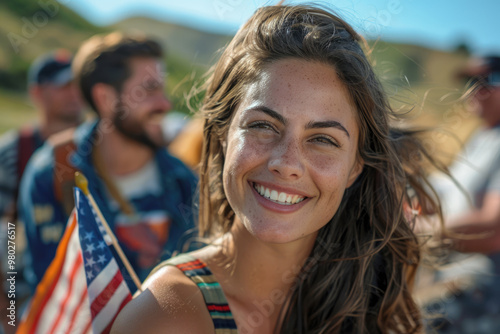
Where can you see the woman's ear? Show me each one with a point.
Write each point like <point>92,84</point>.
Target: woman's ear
<point>356,170</point>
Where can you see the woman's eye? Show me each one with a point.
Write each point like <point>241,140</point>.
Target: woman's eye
<point>325,141</point>
<point>262,125</point>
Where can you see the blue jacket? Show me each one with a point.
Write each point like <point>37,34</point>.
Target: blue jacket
<point>45,219</point>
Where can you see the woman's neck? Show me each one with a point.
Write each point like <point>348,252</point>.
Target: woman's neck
<point>256,276</point>
<point>276,265</point>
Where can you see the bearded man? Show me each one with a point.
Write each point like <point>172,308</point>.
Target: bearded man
<point>144,193</point>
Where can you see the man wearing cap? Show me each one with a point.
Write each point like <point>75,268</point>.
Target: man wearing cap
<point>474,210</point>
<point>144,193</point>
<point>57,99</point>
<point>60,107</point>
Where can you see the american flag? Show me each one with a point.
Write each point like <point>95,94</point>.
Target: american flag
<point>83,289</point>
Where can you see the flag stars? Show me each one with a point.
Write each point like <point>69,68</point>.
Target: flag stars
<point>102,259</point>
<point>103,232</point>
<point>90,248</point>
<point>80,207</point>
<point>101,245</point>
<point>89,236</point>
<point>87,255</point>
<point>89,262</point>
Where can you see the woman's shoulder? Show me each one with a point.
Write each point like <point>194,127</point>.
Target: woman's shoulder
<point>170,303</point>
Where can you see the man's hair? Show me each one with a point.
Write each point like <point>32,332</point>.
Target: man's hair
<point>105,59</point>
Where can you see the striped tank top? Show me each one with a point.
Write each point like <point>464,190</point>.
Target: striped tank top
<point>212,292</point>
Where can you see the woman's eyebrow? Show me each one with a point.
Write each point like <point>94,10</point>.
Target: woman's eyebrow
<point>327,124</point>
<point>269,112</point>
<point>310,125</point>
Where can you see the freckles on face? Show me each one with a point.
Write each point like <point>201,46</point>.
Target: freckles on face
<point>291,150</point>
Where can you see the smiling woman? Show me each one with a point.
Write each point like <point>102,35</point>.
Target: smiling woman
<point>290,139</point>
<point>302,189</point>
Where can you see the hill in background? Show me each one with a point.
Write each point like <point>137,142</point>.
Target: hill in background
<point>30,28</point>
<point>418,79</point>
<point>197,47</point>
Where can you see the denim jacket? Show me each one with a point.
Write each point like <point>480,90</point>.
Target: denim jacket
<point>45,219</point>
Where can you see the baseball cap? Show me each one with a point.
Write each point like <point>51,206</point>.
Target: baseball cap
<point>485,71</point>
<point>53,68</point>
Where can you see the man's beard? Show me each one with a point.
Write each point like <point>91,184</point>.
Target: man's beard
<point>126,126</point>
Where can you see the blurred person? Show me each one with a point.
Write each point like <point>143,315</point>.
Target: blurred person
<point>472,213</point>
<point>58,102</point>
<point>59,106</point>
<point>144,193</point>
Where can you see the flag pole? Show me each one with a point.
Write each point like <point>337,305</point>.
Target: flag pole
<point>82,183</point>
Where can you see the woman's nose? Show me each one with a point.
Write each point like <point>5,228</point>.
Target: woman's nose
<point>286,159</point>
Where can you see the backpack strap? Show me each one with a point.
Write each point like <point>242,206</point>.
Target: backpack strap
<point>64,170</point>
<point>25,148</point>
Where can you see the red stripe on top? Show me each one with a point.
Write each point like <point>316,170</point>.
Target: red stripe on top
<point>197,264</point>
<point>106,294</point>
<point>76,266</point>
<point>218,308</point>
<point>124,302</point>
<point>83,297</point>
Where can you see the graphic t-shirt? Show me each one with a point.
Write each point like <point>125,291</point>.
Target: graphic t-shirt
<point>148,228</point>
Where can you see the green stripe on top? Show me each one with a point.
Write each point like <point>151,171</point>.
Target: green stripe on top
<point>221,315</point>
<point>208,285</point>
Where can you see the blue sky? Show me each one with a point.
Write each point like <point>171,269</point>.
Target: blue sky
<point>439,23</point>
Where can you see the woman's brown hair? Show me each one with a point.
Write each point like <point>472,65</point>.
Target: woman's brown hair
<point>359,274</point>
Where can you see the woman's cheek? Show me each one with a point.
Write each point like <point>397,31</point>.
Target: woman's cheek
<point>256,144</point>
<point>242,151</point>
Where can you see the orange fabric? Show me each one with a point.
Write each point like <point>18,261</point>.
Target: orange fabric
<point>140,236</point>
<point>48,283</point>
<point>188,144</point>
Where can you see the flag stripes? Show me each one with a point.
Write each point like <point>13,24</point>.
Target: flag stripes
<point>83,289</point>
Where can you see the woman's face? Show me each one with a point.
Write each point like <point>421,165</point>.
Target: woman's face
<point>291,151</point>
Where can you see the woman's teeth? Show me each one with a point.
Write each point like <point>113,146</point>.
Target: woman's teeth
<point>278,197</point>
